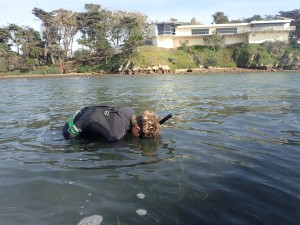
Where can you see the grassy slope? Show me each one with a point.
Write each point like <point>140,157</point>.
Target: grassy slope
<point>150,56</point>
<point>207,57</point>
<point>154,56</point>
<point>190,57</point>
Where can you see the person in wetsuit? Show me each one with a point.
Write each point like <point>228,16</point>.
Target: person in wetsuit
<point>111,123</point>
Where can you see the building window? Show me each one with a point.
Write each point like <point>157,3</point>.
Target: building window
<point>226,30</point>
<point>200,31</point>
<point>166,29</point>
<point>267,25</point>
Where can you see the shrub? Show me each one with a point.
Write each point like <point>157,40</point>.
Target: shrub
<point>172,60</point>
<point>53,71</point>
<point>206,56</point>
<point>211,61</point>
<point>276,49</point>
<point>84,69</point>
<point>252,55</point>
<point>15,72</point>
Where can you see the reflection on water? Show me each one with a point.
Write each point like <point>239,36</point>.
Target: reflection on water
<point>230,154</point>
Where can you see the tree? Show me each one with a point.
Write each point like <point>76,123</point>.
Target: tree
<point>6,54</point>
<point>115,28</point>
<point>194,21</point>
<point>277,49</point>
<point>25,41</point>
<point>121,24</point>
<point>32,47</point>
<point>49,33</point>
<point>93,25</point>
<point>4,35</point>
<point>253,56</point>
<point>101,30</point>
<point>132,42</point>
<point>295,15</point>
<point>6,57</point>
<point>133,33</point>
<point>220,18</point>
<point>215,40</point>
<point>65,22</point>
<point>173,20</point>
<point>253,18</point>
<point>270,17</point>
<point>16,36</point>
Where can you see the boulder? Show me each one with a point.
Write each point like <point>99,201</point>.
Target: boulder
<point>166,69</point>
<point>172,60</point>
<point>128,72</point>
<point>155,68</point>
<point>135,70</point>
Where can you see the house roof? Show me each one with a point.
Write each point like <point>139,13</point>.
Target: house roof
<point>215,25</point>
<point>179,25</point>
<point>271,21</point>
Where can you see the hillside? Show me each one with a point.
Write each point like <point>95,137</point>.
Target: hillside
<point>266,56</point>
<point>151,59</point>
<point>153,56</point>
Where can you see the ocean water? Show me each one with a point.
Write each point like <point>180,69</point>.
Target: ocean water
<point>229,155</point>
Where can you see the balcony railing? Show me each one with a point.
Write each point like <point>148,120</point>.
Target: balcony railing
<point>166,33</point>
<point>275,28</point>
<point>239,31</point>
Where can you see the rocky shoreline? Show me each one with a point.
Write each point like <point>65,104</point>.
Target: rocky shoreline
<point>155,70</point>
<point>164,69</point>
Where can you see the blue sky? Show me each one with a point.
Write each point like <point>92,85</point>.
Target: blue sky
<point>20,11</point>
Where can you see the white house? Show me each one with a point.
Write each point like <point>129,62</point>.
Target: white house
<point>172,35</point>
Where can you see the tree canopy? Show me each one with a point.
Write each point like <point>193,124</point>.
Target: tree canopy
<point>100,35</point>
<point>295,15</point>
<point>97,33</point>
<point>220,17</point>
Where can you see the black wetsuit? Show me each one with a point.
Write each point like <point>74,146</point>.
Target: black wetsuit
<point>111,123</point>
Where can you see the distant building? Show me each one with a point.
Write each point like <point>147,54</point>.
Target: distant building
<point>173,34</point>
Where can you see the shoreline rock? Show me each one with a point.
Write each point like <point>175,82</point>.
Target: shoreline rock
<point>164,69</point>
<point>155,70</point>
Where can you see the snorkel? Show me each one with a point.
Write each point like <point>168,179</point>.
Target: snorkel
<point>165,118</point>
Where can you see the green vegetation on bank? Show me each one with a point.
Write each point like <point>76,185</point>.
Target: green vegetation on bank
<point>153,56</point>
<point>110,41</point>
<point>259,56</point>
<point>40,70</point>
<point>256,56</point>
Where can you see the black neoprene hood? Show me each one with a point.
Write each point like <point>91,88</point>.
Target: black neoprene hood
<point>139,120</point>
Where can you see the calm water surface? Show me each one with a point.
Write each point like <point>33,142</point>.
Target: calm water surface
<point>230,154</point>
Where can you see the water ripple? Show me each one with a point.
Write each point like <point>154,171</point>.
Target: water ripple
<point>230,154</point>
